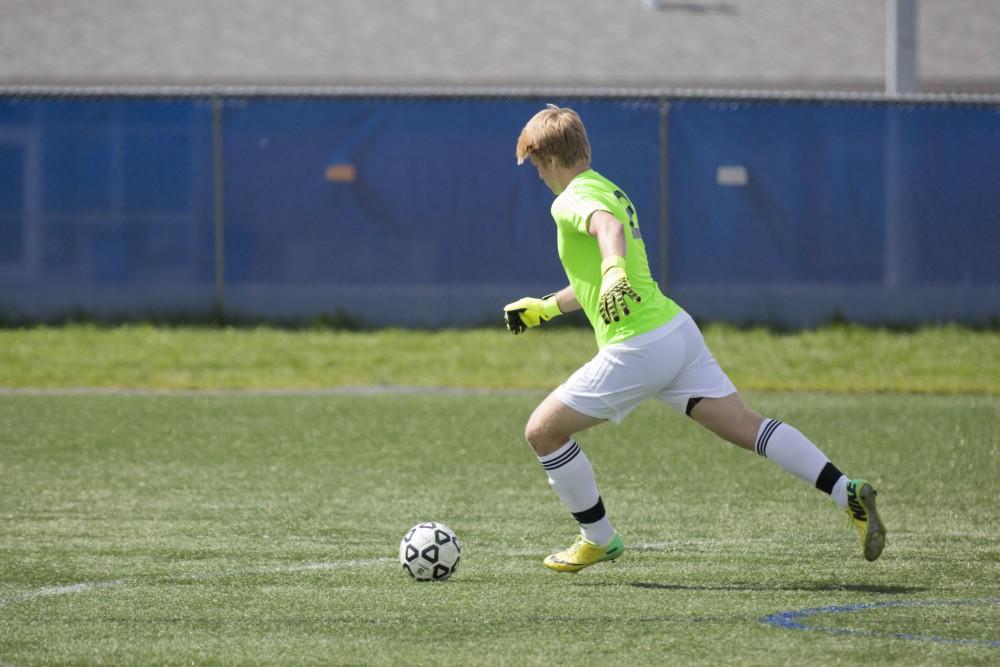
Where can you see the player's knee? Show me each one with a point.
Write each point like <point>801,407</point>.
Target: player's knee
<point>541,438</point>
<point>533,433</point>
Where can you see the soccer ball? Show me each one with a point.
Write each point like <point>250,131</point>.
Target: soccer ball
<point>430,551</point>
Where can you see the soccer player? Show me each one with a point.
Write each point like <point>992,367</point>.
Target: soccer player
<point>648,347</point>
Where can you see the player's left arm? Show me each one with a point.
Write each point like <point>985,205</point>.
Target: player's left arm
<point>566,298</point>
<point>610,234</point>
<point>530,311</point>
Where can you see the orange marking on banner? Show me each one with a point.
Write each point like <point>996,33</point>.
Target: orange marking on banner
<point>341,173</point>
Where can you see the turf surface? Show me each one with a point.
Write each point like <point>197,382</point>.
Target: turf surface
<point>241,529</point>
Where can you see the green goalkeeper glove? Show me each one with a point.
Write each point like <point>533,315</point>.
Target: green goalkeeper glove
<point>530,312</point>
<point>614,288</point>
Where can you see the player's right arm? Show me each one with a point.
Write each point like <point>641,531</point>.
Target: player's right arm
<point>530,311</point>
<point>615,285</point>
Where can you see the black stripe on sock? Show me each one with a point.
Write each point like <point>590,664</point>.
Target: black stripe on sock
<point>563,458</point>
<point>592,515</point>
<point>828,477</point>
<point>765,435</point>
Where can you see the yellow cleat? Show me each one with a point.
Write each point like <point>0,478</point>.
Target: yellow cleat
<point>584,553</point>
<point>861,509</point>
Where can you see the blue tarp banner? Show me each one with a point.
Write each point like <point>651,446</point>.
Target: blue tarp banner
<point>412,211</point>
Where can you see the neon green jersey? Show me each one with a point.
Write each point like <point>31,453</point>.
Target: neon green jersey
<point>581,257</point>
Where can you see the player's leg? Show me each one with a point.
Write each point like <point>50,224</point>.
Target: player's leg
<point>550,432</point>
<point>705,393</point>
<point>606,388</point>
<point>731,419</point>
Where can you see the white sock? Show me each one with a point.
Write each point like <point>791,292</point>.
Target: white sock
<point>572,478</point>
<point>791,450</point>
<point>839,493</point>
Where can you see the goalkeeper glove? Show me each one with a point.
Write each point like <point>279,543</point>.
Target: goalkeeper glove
<point>614,288</point>
<point>530,312</point>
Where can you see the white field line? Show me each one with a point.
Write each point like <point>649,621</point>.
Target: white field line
<point>332,565</point>
<point>87,586</point>
<point>286,569</point>
<point>84,587</point>
<point>51,591</point>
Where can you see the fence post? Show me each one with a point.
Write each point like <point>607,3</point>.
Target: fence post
<point>219,293</point>
<point>664,196</point>
<point>901,72</point>
<point>899,268</point>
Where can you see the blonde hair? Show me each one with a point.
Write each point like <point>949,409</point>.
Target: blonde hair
<point>556,134</point>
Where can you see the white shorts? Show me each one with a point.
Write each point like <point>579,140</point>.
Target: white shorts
<point>671,364</point>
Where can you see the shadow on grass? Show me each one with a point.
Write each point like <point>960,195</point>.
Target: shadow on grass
<point>803,588</point>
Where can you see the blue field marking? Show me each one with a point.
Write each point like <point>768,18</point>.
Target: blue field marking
<point>789,620</point>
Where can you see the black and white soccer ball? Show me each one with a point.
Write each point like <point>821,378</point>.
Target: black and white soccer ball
<point>430,551</point>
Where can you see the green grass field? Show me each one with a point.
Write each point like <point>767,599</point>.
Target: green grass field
<point>241,528</point>
<point>842,359</point>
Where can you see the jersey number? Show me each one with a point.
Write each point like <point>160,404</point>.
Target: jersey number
<point>631,213</point>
